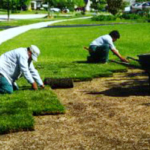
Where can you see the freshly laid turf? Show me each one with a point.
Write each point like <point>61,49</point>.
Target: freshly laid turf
<point>17,110</point>
<point>15,116</point>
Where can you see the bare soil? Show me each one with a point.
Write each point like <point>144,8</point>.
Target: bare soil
<point>110,113</point>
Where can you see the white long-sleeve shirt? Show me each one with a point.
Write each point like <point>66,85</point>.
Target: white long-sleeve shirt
<point>14,63</point>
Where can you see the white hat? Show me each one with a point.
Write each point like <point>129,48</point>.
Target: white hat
<point>35,52</point>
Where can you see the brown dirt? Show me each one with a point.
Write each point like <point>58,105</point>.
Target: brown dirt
<point>103,114</point>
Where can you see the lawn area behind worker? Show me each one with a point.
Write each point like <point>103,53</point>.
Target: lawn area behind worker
<point>62,53</point>
<point>63,56</point>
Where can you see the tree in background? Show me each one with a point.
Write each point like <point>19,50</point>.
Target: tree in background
<point>63,4</point>
<point>114,6</point>
<point>140,0</point>
<point>14,5</point>
<point>98,4</point>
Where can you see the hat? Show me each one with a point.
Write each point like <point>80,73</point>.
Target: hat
<point>35,52</point>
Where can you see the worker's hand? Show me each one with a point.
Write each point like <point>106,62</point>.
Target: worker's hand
<point>34,86</point>
<point>124,60</point>
<point>42,86</point>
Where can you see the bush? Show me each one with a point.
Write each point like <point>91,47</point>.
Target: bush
<point>104,18</point>
<point>130,16</point>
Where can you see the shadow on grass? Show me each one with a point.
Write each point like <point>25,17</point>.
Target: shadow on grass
<point>87,62</point>
<point>125,89</point>
<point>81,62</point>
<point>22,88</point>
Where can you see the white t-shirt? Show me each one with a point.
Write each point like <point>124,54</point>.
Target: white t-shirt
<point>105,39</point>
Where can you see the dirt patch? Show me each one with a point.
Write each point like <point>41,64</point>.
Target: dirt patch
<point>102,114</point>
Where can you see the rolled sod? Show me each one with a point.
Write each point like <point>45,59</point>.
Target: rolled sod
<point>59,83</point>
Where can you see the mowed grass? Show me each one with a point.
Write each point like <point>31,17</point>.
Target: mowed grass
<point>90,21</point>
<point>62,55</point>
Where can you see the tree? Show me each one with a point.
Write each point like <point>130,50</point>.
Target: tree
<point>64,4</point>
<point>98,4</point>
<point>140,0</point>
<point>114,6</point>
<point>14,5</point>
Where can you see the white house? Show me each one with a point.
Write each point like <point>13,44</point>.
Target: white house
<point>35,4</point>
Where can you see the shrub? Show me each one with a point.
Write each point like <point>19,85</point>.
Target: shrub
<point>104,18</point>
<point>130,16</point>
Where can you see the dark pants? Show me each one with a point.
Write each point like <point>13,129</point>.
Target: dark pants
<point>99,53</point>
<point>5,86</point>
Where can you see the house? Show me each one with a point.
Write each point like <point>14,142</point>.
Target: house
<point>35,4</point>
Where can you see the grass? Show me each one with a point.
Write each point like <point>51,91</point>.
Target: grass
<point>62,55</point>
<point>17,110</point>
<point>15,116</point>
<point>89,21</point>
<point>62,50</point>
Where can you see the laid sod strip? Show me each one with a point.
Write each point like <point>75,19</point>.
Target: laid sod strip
<point>44,102</point>
<point>17,110</point>
<point>15,116</point>
<point>78,71</point>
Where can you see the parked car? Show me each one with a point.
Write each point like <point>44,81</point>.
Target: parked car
<point>136,7</point>
<point>55,9</point>
<point>146,6</point>
<point>44,5</point>
<point>127,9</point>
<point>66,10</point>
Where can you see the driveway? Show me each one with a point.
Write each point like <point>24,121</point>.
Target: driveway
<point>29,16</point>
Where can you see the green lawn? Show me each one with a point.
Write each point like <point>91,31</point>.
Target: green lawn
<point>89,21</point>
<point>62,55</point>
<point>61,48</point>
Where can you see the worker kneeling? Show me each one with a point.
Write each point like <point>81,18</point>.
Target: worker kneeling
<point>18,62</point>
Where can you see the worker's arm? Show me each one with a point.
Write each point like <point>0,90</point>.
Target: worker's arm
<point>116,52</point>
<point>36,75</point>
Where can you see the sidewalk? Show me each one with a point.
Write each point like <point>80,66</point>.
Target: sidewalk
<point>32,16</point>
<point>12,32</point>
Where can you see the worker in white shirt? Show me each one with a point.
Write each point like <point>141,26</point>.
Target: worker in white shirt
<point>16,63</point>
<point>99,48</point>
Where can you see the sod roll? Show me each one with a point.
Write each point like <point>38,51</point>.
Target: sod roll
<point>59,83</point>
